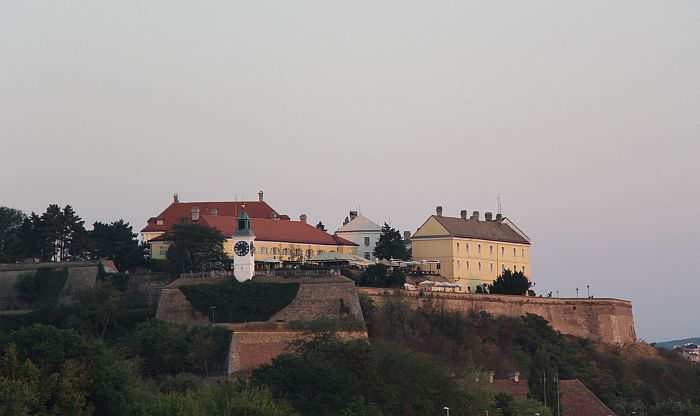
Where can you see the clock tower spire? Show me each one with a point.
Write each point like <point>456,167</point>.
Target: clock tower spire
<point>243,248</point>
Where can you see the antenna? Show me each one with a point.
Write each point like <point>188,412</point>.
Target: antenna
<point>499,203</point>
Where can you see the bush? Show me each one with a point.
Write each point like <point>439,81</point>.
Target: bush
<point>168,348</point>
<point>377,275</point>
<point>241,302</point>
<point>43,286</point>
<point>510,283</point>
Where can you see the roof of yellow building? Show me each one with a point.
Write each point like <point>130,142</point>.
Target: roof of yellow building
<point>479,230</point>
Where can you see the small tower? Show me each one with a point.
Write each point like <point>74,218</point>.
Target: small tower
<point>243,248</point>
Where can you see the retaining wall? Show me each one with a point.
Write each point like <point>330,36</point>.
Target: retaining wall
<point>606,320</point>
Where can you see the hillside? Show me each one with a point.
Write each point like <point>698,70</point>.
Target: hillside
<point>670,344</point>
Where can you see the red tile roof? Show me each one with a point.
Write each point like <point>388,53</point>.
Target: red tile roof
<point>179,211</point>
<point>273,230</point>
<point>576,398</point>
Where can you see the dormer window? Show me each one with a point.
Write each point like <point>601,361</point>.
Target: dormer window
<point>159,221</point>
<point>195,214</point>
<point>214,211</point>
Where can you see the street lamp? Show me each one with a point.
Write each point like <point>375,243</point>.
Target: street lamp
<point>576,293</point>
<point>446,409</point>
<point>213,314</point>
<point>588,290</point>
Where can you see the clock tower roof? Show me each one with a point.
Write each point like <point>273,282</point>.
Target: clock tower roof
<point>243,229</point>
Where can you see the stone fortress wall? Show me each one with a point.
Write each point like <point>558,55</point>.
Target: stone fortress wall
<point>604,320</point>
<point>81,275</point>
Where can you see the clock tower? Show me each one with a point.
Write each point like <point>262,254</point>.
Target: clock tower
<point>243,248</point>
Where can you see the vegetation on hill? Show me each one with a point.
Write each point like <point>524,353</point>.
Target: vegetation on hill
<point>59,234</point>
<point>105,355</point>
<point>234,301</point>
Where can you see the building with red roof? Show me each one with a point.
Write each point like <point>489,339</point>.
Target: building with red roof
<point>277,238</point>
<point>575,398</point>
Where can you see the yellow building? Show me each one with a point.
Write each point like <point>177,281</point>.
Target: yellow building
<point>472,251</point>
<point>277,238</point>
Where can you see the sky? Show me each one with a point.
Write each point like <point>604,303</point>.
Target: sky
<point>583,116</point>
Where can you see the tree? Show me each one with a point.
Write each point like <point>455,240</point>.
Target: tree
<point>510,283</point>
<point>390,245</point>
<point>377,275</point>
<point>320,226</point>
<point>116,241</point>
<point>196,247</point>
<point>11,220</point>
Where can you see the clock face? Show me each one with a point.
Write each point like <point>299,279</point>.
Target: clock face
<point>241,248</point>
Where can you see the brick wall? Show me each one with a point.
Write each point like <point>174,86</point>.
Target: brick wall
<point>319,300</point>
<point>606,320</point>
<point>251,348</point>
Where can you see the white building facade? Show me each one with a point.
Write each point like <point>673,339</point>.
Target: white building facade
<point>361,231</point>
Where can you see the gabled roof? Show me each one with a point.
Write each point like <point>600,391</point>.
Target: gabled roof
<point>284,231</point>
<point>576,398</point>
<point>360,223</point>
<point>179,211</point>
<point>481,230</point>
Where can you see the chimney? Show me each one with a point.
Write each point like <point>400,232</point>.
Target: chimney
<point>260,196</point>
<point>514,376</point>
<point>406,235</point>
<point>491,374</point>
<point>475,215</point>
<point>499,217</point>
<point>302,218</point>
<point>345,221</point>
<point>273,215</point>
<point>438,211</point>
<point>463,214</point>
<point>175,198</point>
<point>488,216</point>
<point>353,215</point>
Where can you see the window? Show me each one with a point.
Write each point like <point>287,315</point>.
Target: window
<point>479,266</point>
<point>214,211</point>
<point>309,253</point>
<point>321,251</point>
<point>478,248</point>
<point>467,265</point>
<point>366,241</point>
<point>367,255</point>
<point>459,265</point>
<point>467,247</point>
<point>195,214</point>
<point>297,252</point>
<point>161,250</point>
<point>523,253</point>
<point>263,250</point>
<point>503,251</point>
<point>515,253</point>
<point>523,269</point>
<point>159,221</point>
<point>491,250</point>
<point>285,251</point>
<point>492,267</point>
<point>457,246</point>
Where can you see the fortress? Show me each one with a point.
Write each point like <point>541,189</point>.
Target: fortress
<point>600,320</point>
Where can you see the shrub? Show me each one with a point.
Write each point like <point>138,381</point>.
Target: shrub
<point>241,302</point>
<point>510,283</point>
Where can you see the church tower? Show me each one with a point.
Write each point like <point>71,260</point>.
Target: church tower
<point>243,248</point>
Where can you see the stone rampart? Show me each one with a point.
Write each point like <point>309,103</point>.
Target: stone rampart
<point>251,348</point>
<point>173,306</point>
<point>320,299</point>
<point>149,285</point>
<point>81,275</point>
<point>606,320</point>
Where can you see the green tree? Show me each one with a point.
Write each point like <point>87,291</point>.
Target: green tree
<point>390,245</point>
<point>11,221</point>
<point>377,275</point>
<point>196,247</point>
<point>320,226</point>
<point>163,346</point>
<point>116,241</point>
<point>99,307</point>
<point>510,283</point>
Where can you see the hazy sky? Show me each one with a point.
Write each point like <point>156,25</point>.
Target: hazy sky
<point>583,115</point>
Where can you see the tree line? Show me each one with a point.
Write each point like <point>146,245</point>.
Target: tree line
<point>59,234</point>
